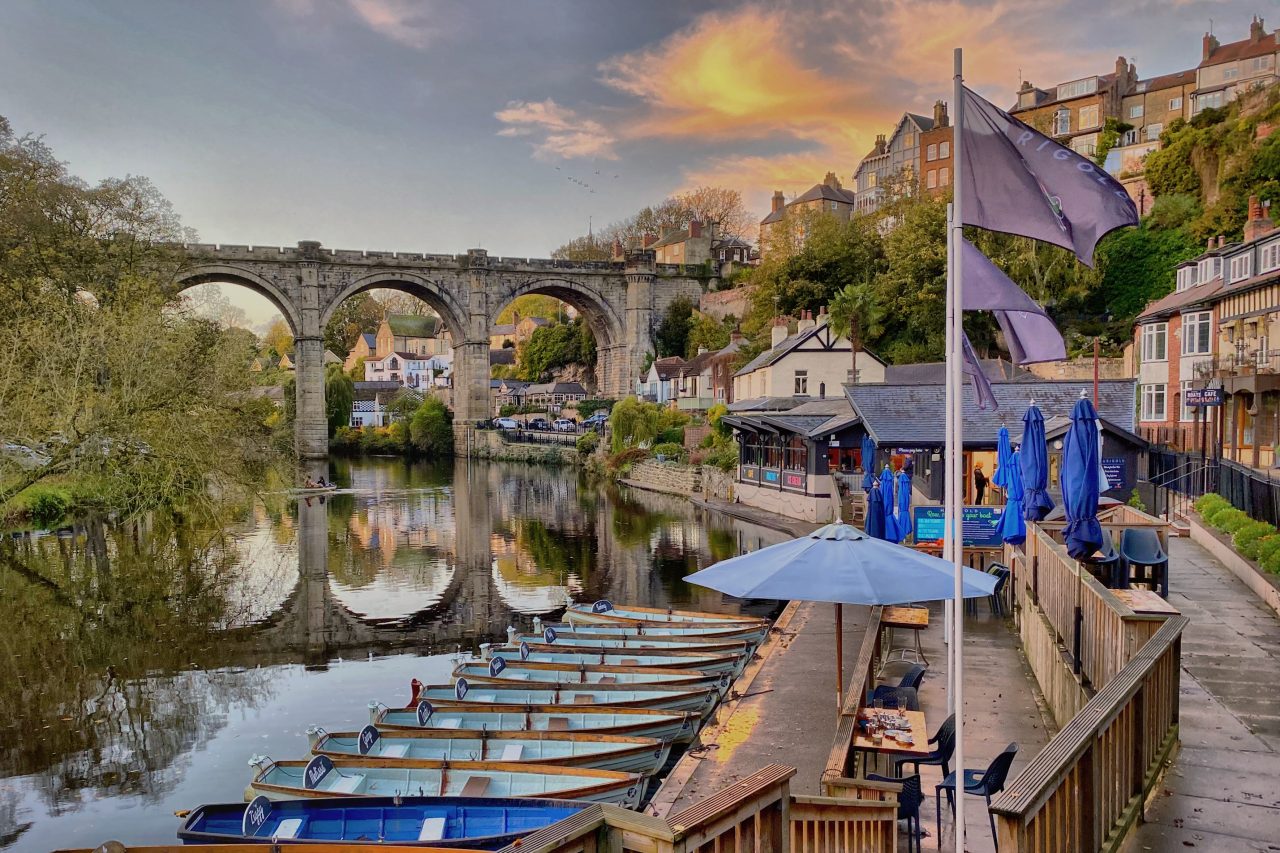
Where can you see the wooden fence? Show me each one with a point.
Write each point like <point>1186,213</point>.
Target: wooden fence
<point>756,815</point>
<point>1085,789</point>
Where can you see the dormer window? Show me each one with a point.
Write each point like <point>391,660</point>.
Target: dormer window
<point>1186,277</point>
<point>1077,88</point>
<point>1269,257</point>
<point>1210,268</point>
<point>1241,266</point>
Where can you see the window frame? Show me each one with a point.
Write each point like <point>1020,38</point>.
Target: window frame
<point>1136,110</point>
<point>944,177</point>
<point>1149,394</point>
<point>1061,127</point>
<point>1151,334</point>
<point>1175,103</point>
<point>1092,111</point>
<point>931,152</point>
<point>1268,257</point>
<point>944,150</point>
<point>931,179</point>
<point>1197,320</point>
<point>1241,267</point>
<point>801,383</point>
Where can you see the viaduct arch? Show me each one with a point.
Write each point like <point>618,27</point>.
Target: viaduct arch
<point>622,301</point>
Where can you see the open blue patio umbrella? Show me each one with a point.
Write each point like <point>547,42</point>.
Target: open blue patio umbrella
<point>1034,458</point>
<point>868,461</point>
<point>875,511</point>
<point>886,495</point>
<point>902,518</point>
<point>1080,465</point>
<point>1004,460</point>
<point>1013,527</point>
<point>843,565</point>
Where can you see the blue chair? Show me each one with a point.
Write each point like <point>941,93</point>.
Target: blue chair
<point>986,783</point>
<point>996,599</point>
<point>905,693</point>
<point>1108,566</point>
<point>909,800</point>
<point>1140,548</point>
<point>941,754</point>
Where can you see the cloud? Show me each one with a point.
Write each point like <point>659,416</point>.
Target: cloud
<point>556,131</point>
<point>412,23</point>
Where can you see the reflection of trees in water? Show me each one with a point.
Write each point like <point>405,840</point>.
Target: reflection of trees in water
<point>11,829</point>
<point>101,611</point>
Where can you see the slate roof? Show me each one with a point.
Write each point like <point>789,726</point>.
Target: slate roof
<point>912,414</point>
<point>676,235</point>
<point>1243,49</point>
<point>764,404</point>
<point>1165,81</point>
<point>934,372</point>
<point>370,340</point>
<point>505,355</point>
<point>669,367</point>
<point>555,388</point>
<point>812,419</point>
<point>413,325</point>
<point>774,216</point>
<point>503,329</point>
<point>825,193</point>
<point>784,346</point>
<point>1172,303</point>
<point>373,390</point>
<point>698,364</point>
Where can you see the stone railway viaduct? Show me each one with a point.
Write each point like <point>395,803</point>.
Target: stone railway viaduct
<point>622,301</point>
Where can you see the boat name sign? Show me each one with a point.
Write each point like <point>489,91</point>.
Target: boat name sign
<point>368,737</point>
<point>460,688</point>
<point>255,815</point>
<point>602,606</point>
<point>425,710</point>
<point>317,769</point>
<point>497,665</point>
<point>524,650</point>
<point>549,634</point>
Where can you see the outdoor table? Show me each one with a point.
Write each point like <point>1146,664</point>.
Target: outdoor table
<point>865,747</point>
<point>1145,601</point>
<point>913,619</point>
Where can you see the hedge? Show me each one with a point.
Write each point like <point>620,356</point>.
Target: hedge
<point>1253,539</point>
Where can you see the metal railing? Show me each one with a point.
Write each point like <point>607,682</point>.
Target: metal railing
<point>1247,362</point>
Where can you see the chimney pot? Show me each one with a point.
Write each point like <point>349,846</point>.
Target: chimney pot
<point>1222,240</point>
<point>1207,46</point>
<point>695,228</point>
<point>940,118</point>
<point>778,201</point>
<point>1256,30</point>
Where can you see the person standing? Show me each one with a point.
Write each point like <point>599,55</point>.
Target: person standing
<point>909,465</point>
<point>979,483</point>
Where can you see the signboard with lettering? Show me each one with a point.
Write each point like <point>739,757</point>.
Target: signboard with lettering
<point>770,476</point>
<point>317,768</point>
<point>255,815</point>
<point>602,606</point>
<point>497,665</point>
<point>1202,396</point>
<point>368,737</point>
<point>425,710</point>
<point>978,527</point>
<point>793,480</point>
<point>1113,467</point>
<point>524,650</point>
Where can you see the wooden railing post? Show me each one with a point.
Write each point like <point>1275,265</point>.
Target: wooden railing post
<point>1090,790</point>
<point>1141,760</point>
<point>1035,578</point>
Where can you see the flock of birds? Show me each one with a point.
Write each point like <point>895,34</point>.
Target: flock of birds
<point>581,183</point>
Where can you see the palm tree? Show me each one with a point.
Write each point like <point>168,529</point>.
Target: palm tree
<point>857,315</point>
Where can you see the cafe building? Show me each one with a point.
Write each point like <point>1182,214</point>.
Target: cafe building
<point>907,420</point>
<point>787,450</point>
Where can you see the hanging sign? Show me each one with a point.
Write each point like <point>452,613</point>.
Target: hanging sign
<point>1202,396</point>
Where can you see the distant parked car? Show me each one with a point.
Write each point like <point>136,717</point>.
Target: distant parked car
<point>596,421</point>
<point>538,423</point>
<point>506,423</point>
<point>564,425</point>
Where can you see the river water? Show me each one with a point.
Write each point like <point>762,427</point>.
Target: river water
<point>146,662</point>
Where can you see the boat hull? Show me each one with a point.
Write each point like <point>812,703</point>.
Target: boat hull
<point>648,645</point>
<point>654,615</point>
<point>677,658</point>
<point>536,673</point>
<point>474,719</point>
<point>653,697</point>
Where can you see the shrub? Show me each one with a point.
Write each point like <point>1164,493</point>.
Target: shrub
<point>698,457</point>
<point>1249,535</point>
<point>1209,502</point>
<point>1272,563</point>
<point>48,506</point>
<point>587,443</point>
<point>431,429</point>
<point>1230,520</point>
<point>668,449</point>
<point>671,435</point>
<point>1268,546</point>
<point>724,457</point>
<point>1135,500</point>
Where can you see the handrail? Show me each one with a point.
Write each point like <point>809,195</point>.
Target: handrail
<point>864,665</point>
<point>718,805</point>
<point>1104,761</point>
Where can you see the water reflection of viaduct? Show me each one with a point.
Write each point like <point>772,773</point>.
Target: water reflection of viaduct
<point>315,624</point>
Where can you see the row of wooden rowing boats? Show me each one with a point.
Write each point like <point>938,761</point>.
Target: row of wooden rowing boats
<point>586,710</point>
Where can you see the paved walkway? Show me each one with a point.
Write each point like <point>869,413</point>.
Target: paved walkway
<point>1223,791</point>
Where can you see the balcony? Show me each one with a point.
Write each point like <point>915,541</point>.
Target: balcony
<point>1248,371</point>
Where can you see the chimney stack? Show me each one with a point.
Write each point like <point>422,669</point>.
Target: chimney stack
<point>778,333</point>
<point>831,180</point>
<point>806,321</point>
<point>1222,240</point>
<point>618,252</point>
<point>1256,30</point>
<point>1259,222</point>
<point>695,228</point>
<point>881,145</point>
<point>1207,46</point>
<point>1208,246</point>
<point>940,117</point>
<point>778,202</point>
<point>649,239</point>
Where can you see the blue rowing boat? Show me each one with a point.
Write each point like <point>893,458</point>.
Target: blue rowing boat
<point>472,823</point>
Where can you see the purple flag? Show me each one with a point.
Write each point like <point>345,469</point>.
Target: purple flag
<point>981,384</point>
<point>1019,181</point>
<point>1029,332</point>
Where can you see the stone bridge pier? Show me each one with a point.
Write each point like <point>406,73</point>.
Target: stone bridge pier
<point>620,300</point>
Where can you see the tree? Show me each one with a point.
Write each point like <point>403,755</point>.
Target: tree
<point>357,370</point>
<point>533,305</point>
<point>587,248</point>
<point>358,315</point>
<point>719,205</point>
<point>856,314</point>
<point>431,428</point>
<point>672,335</point>
<point>708,333</point>
<point>557,345</point>
<point>708,204</point>
<point>277,338</point>
<point>339,394</point>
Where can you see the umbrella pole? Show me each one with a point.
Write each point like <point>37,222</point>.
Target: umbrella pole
<point>839,657</point>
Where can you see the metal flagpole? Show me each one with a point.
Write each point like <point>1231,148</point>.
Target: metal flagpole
<point>948,540</point>
<point>956,449</point>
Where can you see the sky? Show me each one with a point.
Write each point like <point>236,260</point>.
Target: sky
<point>443,125</point>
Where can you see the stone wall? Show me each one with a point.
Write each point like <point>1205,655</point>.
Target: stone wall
<point>488,444</point>
<point>818,510</point>
<point>670,477</point>
<point>717,484</point>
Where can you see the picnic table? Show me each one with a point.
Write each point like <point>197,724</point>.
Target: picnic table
<point>865,746</point>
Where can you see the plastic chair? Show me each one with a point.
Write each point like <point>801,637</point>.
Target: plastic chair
<point>1108,565</point>
<point>905,694</point>
<point>909,800</point>
<point>996,599</point>
<point>1141,547</point>
<point>986,783</point>
<point>941,754</point>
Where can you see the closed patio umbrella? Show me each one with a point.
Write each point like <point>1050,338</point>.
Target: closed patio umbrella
<point>1004,460</point>
<point>1013,527</point>
<point>902,518</point>
<point>868,461</point>
<point>875,511</point>
<point>841,564</point>
<point>1034,458</point>
<point>886,495</point>
<point>1080,467</point>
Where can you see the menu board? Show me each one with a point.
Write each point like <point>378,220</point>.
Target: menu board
<point>978,526</point>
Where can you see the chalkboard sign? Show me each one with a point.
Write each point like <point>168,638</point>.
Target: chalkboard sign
<point>425,710</point>
<point>978,528</point>
<point>460,688</point>
<point>368,737</point>
<point>602,606</point>
<point>1113,467</point>
<point>317,768</point>
<point>497,665</point>
<point>524,650</point>
<point>255,815</point>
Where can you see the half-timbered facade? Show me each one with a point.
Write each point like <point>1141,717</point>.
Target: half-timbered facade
<point>814,362</point>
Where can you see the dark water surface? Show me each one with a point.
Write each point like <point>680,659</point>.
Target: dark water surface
<point>145,663</point>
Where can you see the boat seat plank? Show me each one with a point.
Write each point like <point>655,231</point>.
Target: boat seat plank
<point>476,786</point>
<point>432,829</point>
<point>395,750</point>
<point>288,828</point>
<point>512,752</point>
<point>608,679</point>
<point>558,724</point>
<point>347,784</point>
<point>582,699</point>
<point>455,723</point>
